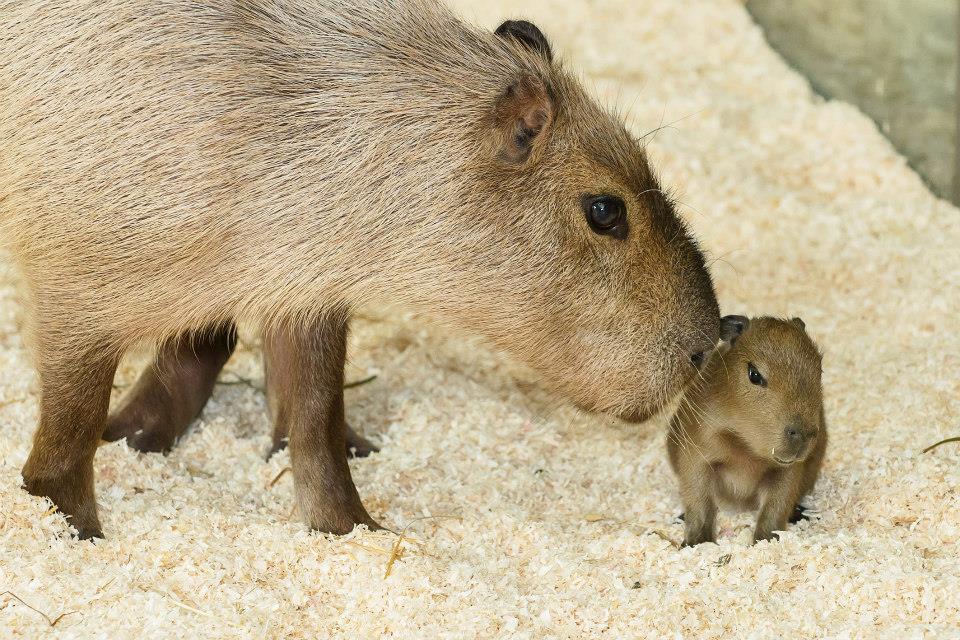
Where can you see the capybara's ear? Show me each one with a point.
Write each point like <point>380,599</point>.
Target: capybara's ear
<point>522,115</point>
<point>800,323</point>
<point>527,34</point>
<point>731,327</point>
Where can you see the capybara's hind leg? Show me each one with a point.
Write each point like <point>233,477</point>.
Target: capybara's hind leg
<point>74,395</point>
<point>305,374</point>
<point>172,390</point>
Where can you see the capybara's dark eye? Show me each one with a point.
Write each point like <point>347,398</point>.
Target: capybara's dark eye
<point>755,376</point>
<point>606,215</point>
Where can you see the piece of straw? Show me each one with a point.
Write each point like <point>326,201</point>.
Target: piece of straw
<point>278,476</point>
<point>937,444</point>
<point>397,552</point>
<point>51,621</point>
<point>357,383</point>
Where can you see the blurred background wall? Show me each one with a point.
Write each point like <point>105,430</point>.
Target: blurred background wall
<point>895,59</point>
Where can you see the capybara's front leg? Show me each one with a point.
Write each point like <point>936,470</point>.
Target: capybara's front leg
<point>74,395</point>
<point>699,508</point>
<point>172,390</point>
<point>305,392</point>
<point>778,505</point>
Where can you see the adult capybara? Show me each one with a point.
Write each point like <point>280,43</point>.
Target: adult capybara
<point>168,167</point>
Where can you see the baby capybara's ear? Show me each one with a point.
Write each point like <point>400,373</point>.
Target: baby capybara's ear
<point>527,34</point>
<point>731,327</point>
<point>800,323</point>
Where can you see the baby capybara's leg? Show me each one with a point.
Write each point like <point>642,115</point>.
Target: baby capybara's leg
<point>780,502</point>
<point>305,392</point>
<point>74,395</point>
<point>172,390</point>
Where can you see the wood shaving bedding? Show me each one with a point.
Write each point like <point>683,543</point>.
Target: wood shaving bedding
<point>565,522</point>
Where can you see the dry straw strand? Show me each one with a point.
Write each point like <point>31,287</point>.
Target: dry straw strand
<point>944,441</point>
<point>51,621</point>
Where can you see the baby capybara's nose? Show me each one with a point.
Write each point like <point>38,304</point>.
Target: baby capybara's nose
<point>698,359</point>
<point>793,434</point>
<point>796,439</point>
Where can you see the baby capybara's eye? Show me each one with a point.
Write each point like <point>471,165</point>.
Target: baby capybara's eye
<point>606,215</point>
<point>755,376</point>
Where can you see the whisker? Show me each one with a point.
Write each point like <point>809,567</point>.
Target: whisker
<point>684,407</point>
<point>669,125</point>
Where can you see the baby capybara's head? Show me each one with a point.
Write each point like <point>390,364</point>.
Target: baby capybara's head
<point>764,386</point>
<point>589,274</point>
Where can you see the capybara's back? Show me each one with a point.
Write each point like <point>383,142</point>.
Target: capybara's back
<point>168,166</point>
<point>196,147</point>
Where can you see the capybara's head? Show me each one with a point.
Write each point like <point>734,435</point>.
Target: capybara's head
<point>589,275</point>
<point>764,387</point>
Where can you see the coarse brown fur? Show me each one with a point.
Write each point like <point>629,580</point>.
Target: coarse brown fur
<point>751,446</point>
<point>170,167</point>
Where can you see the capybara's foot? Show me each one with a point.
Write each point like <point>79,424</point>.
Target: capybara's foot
<point>71,498</point>
<point>329,503</point>
<point>142,433</point>
<point>799,513</point>
<point>357,446</point>
<point>324,521</point>
<point>693,538</point>
<point>761,534</point>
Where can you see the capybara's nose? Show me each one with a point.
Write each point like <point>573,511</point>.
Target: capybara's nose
<point>794,434</point>
<point>699,351</point>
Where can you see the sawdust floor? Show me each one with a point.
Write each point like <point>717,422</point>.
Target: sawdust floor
<point>564,520</point>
